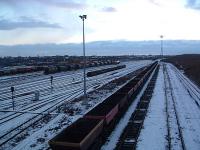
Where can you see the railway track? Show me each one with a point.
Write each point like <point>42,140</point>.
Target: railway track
<point>174,131</point>
<point>108,109</point>
<point>26,79</point>
<point>34,107</point>
<point>40,84</point>
<point>43,93</point>
<point>5,82</point>
<point>12,134</point>
<point>190,87</point>
<point>167,116</point>
<point>130,134</point>
<point>9,136</point>
<point>58,86</point>
<point>44,102</point>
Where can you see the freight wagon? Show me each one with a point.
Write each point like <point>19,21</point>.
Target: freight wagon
<point>18,70</point>
<point>79,136</point>
<point>106,110</point>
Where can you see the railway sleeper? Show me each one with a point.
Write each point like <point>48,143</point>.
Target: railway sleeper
<point>130,136</point>
<point>143,105</point>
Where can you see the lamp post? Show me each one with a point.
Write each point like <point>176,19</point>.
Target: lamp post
<point>83,17</point>
<point>161,45</point>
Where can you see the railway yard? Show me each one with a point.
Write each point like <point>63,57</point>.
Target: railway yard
<point>143,105</point>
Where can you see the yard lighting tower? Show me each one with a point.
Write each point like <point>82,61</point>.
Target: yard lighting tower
<point>83,17</point>
<point>161,46</point>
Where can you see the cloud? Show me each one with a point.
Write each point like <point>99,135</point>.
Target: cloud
<point>155,2</point>
<point>109,9</point>
<point>25,23</point>
<point>194,4</point>
<point>63,4</point>
<point>69,4</point>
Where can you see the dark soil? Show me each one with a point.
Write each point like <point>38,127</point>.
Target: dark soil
<point>190,63</point>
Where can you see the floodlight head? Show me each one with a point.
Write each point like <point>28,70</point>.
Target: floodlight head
<point>83,17</point>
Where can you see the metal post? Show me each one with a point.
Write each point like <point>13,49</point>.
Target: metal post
<point>83,17</point>
<point>51,81</point>
<point>12,90</point>
<point>161,45</point>
<point>37,95</point>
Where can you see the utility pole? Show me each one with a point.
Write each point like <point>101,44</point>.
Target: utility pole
<point>83,17</point>
<point>51,78</point>
<point>161,46</point>
<point>12,91</point>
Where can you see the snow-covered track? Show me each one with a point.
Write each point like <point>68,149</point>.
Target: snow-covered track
<point>192,89</point>
<point>33,107</point>
<point>42,84</point>
<point>5,138</point>
<point>175,141</point>
<point>8,81</point>
<point>60,91</point>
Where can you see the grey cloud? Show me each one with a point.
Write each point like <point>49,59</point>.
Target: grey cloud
<point>25,23</point>
<point>64,4</point>
<point>69,4</point>
<point>194,4</point>
<point>109,9</point>
<point>155,2</point>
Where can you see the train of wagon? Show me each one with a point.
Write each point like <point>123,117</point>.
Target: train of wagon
<point>58,68</point>
<point>49,69</point>
<point>101,71</point>
<point>19,70</point>
<point>83,133</point>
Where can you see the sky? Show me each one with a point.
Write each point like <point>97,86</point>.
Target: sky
<point>57,21</point>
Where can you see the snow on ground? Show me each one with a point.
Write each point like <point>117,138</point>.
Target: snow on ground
<point>38,137</point>
<point>154,132</point>
<point>38,140</point>
<point>153,136</point>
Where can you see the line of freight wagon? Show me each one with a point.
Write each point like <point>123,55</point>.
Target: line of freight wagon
<point>101,71</point>
<point>81,134</point>
<point>59,68</point>
<point>20,70</point>
<point>50,69</point>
